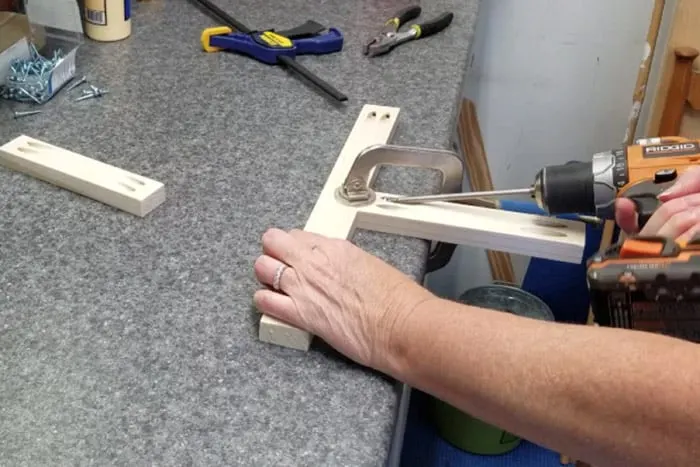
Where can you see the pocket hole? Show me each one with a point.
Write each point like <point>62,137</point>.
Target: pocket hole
<point>386,116</point>
<point>372,114</point>
<point>550,223</point>
<point>38,145</point>
<point>136,180</point>
<point>28,150</point>
<point>548,233</point>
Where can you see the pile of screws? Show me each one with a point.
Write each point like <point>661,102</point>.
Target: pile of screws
<point>91,93</point>
<point>29,80</point>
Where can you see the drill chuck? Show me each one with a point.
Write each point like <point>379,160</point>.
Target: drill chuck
<point>587,188</point>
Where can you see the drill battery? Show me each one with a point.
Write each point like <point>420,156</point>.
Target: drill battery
<point>650,284</point>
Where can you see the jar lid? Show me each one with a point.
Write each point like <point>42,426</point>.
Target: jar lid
<point>509,299</point>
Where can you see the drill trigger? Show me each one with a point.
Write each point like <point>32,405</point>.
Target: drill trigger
<point>646,205</point>
<point>644,195</point>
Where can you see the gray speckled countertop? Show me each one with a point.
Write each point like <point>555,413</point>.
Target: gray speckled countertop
<point>129,341</point>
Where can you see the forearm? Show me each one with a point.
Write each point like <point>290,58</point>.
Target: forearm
<point>607,396</point>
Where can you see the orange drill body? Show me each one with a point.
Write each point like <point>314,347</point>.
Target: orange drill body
<point>645,161</point>
<point>648,284</point>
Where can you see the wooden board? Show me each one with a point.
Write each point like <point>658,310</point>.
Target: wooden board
<point>448,222</point>
<point>684,32</point>
<point>89,177</point>
<point>375,125</point>
<point>694,91</point>
<point>491,229</point>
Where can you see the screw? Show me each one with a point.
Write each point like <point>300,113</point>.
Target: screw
<point>76,84</point>
<point>95,93</point>
<point>27,113</point>
<point>87,95</point>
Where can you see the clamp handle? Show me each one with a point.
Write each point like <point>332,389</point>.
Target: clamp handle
<point>309,29</point>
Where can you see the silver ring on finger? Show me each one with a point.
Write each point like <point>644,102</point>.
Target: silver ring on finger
<point>278,276</point>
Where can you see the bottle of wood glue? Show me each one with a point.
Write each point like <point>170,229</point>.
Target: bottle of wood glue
<point>107,20</point>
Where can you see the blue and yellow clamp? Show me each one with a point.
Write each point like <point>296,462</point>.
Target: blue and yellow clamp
<point>268,46</point>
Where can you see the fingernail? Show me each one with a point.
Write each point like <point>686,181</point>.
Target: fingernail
<point>669,191</point>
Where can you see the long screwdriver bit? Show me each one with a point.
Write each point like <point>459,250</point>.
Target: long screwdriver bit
<point>460,196</point>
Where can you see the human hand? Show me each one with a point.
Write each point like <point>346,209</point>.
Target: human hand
<point>677,218</point>
<point>338,292</point>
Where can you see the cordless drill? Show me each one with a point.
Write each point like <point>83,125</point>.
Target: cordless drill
<point>644,283</point>
<point>639,172</point>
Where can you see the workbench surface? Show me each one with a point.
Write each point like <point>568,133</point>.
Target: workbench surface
<point>133,341</point>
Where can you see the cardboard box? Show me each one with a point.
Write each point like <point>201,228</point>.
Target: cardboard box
<point>13,27</point>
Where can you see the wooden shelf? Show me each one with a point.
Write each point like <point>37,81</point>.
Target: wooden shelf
<point>684,33</point>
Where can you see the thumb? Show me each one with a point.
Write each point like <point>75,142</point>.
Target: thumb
<point>626,215</point>
<point>688,183</point>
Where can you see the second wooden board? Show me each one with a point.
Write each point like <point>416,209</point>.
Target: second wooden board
<point>102,182</point>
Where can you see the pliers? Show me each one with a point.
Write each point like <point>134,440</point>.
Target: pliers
<point>390,36</point>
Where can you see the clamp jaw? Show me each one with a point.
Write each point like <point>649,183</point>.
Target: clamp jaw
<point>356,188</point>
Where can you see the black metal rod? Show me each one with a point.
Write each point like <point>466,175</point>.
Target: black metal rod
<point>224,17</point>
<point>308,74</point>
<point>228,20</point>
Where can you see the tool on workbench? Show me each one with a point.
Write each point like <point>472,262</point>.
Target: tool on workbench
<point>390,36</point>
<point>268,46</point>
<point>274,48</point>
<point>649,284</point>
<point>639,172</point>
